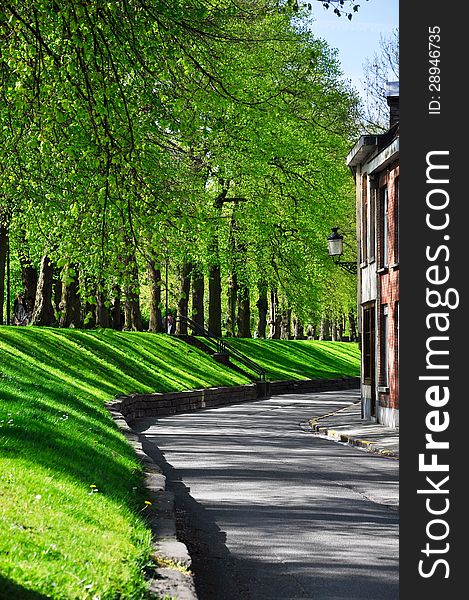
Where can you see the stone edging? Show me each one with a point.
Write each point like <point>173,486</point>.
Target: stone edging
<point>168,580</point>
<point>313,385</point>
<point>346,438</point>
<point>353,441</point>
<point>135,406</point>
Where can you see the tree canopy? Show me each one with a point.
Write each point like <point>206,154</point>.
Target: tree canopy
<point>210,133</point>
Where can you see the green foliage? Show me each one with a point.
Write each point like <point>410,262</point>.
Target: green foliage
<point>121,123</point>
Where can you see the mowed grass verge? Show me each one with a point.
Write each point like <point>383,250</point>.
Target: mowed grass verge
<point>301,359</point>
<point>72,504</point>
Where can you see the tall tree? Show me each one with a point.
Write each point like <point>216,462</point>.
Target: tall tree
<point>198,290</point>
<point>382,67</point>
<point>44,313</point>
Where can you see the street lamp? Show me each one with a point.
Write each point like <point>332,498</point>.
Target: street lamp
<point>335,243</point>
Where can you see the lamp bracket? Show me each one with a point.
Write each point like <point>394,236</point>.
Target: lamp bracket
<point>349,266</point>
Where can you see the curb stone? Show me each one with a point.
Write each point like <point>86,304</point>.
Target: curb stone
<point>346,438</point>
<point>172,577</point>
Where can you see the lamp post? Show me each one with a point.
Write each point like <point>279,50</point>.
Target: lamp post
<point>335,243</point>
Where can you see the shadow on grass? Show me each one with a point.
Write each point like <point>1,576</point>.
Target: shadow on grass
<point>12,591</point>
<point>53,385</point>
<point>286,359</point>
<point>72,453</point>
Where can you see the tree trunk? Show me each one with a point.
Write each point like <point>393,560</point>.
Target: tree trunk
<point>132,314</point>
<point>214,300</point>
<point>232,294</point>
<point>155,324</point>
<point>43,309</point>
<point>102,311</point>
<point>262,307</point>
<point>70,307</point>
<point>324,333</point>
<point>274,318</point>
<point>352,327</point>
<point>285,326</point>
<point>244,312</point>
<point>116,308</point>
<point>183,302</point>
<point>3,261</point>
<point>334,331</point>
<point>29,275</point>
<point>56,289</point>
<point>341,328</point>
<point>198,297</point>
<point>232,291</point>
<point>214,287</point>
<point>298,329</point>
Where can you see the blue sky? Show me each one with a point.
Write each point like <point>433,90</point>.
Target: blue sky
<point>358,39</point>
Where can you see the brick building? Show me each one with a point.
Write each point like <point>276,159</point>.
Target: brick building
<point>375,162</point>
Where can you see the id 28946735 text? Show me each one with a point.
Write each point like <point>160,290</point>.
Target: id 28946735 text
<point>434,70</point>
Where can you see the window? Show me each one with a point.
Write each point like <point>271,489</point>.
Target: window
<point>368,344</point>
<point>384,227</point>
<point>372,226</point>
<point>384,346</point>
<point>396,325</point>
<point>396,220</point>
<point>364,244</point>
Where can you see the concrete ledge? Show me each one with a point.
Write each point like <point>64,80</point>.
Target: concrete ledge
<point>346,438</point>
<point>346,425</point>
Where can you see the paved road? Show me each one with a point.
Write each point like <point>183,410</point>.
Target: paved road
<point>270,511</point>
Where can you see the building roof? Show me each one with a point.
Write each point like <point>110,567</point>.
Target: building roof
<point>362,149</point>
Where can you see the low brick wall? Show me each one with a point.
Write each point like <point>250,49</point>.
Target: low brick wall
<point>313,385</point>
<point>136,406</point>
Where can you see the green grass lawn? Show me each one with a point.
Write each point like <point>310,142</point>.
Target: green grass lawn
<point>301,359</point>
<point>71,500</point>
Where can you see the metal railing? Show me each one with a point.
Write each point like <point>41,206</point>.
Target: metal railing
<point>223,347</point>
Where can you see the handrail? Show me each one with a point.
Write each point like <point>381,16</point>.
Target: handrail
<point>224,347</point>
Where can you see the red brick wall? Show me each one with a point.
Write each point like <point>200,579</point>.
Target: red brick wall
<point>388,290</point>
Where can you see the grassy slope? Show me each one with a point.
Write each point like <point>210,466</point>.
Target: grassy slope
<point>301,359</point>
<point>58,444</point>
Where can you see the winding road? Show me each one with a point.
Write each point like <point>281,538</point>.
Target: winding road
<point>271,511</point>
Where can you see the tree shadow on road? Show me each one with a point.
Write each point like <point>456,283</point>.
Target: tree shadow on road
<point>212,563</point>
<point>322,573</point>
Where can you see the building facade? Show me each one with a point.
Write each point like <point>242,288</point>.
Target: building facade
<point>375,162</point>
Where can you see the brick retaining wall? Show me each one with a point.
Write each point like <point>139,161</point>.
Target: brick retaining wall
<point>313,385</point>
<point>136,406</point>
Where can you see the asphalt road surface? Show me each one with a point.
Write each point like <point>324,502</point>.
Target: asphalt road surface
<point>271,511</point>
